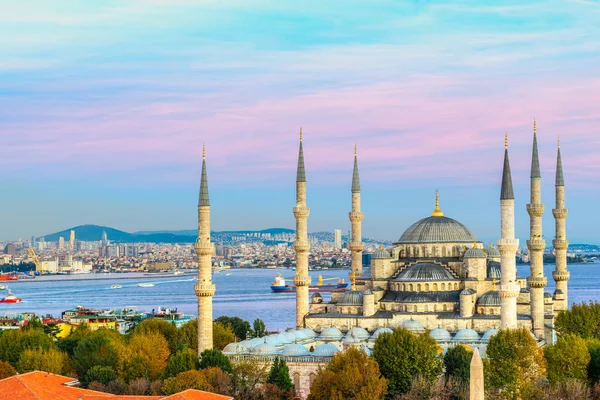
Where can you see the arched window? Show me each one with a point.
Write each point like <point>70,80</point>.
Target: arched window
<point>443,251</point>
<point>434,307</point>
<point>297,380</point>
<point>418,287</point>
<point>443,286</point>
<point>435,287</point>
<point>456,286</point>
<point>445,307</point>
<point>427,287</point>
<point>415,308</point>
<point>410,287</point>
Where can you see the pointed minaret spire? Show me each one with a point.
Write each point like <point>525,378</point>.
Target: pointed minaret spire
<point>301,174</point>
<point>355,177</point>
<point>560,179</point>
<point>535,160</point>
<point>506,192</point>
<point>203,197</point>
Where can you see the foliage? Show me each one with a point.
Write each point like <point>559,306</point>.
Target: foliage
<point>567,359</point>
<point>582,320</point>
<point>188,335</point>
<point>402,356</point>
<point>594,366</point>
<point>33,324</point>
<point>239,326</point>
<point>222,335</point>
<point>117,387</point>
<point>97,386</point>
<point>219,381</point>
<point>48,360</point>
<point>247,378</point>
<point>6,370</point>
<point>184,381</point>
<point>167,329</point>
<point>279,375</point>
<point>146,356</point>
<point>15,341</point>
<point>457,362</point>
<point>568,390</point>
<point>101,348</point>
<point>349,375</point>
<point>214,358</point>
<point>101,374</point>
<point>52,329</point>
<point>515,363</point>
<point>69,343</point>
<point>259,329</point>
<point>138,387</point>
<point>181,361</point>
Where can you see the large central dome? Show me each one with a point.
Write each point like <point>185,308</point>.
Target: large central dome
<point>437,229</point>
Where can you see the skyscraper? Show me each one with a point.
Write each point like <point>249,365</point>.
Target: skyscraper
<point>72,240</point>
<point>104,238</point>
<point>61,243</point>
<point>337,233</point>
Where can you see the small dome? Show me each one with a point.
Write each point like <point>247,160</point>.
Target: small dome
<point>309,332</point>
<point>351,298</point>
<point>325,350</point>
<point>418,297</point>
<point>379,331</point>
<point>424,271</point>
<point>440,335</point>
<point>368,291</point>
<point>474,252</point>
<point>331,334</point>
<point>351,339</point>
<point>284,339</point>
<point>291,335</point>
<point>488,334</point>
<point>301,335</point>
<point>255,342</point>
<point>275,340</point>
<point>360,333</point>
<point>466,335</point>
<point>294,350</point>
<point>380,253</point>
<point>234,348</point>
<point>316,298</point>
<point>412,325</point>
<point>489,299</point>
<point>493,252</point>
<point>559,291</point>
<point>467,292</point>
<point>264,348</point>
<point>547,295</point>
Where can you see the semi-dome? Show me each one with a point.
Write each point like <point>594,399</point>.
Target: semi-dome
<point>437,229</point>
<point>440,335</point>
<point>379,331</point>
<point>351,298</point>
<point>264,348</point>
<point>331,334</point>
<point>418,297</point>
<point>466,335</point>
<point>325,350</point>
<point>474,252</point>
<point>359,333</point>
<point>488,334</point>
<point>294,349</point>
<point>380,253</point>
<point>424,272</point>
<point>489,299</point>
<point>412,325</point>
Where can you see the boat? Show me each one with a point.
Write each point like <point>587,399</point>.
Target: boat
<point>3,287</point>
<point>5,277</point>
<point>178,273</point>
<point>116,286</point>
<point>145,284</point>
<point>279,285</point>
<point>11,298</point>
<point>227,274</point>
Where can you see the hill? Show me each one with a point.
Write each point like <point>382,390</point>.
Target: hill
<point>90,233</point>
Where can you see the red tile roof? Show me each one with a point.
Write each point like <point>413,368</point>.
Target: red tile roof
<point>39,385</point>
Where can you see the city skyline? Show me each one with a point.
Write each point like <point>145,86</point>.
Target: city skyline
<point>102,126</point>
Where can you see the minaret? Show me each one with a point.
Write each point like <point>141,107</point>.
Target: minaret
<point>508,245</point>
<point>205,289</point>
<point>536,244</point>
<point>301,245</point>
<point>560,243</point>
<point>356,216</point>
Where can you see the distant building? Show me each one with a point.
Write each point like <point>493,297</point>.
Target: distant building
<point>337,244</point>
<point>72,240</point>
<point>10,249</point>
<point>104,239</point>
<point>61,243</point>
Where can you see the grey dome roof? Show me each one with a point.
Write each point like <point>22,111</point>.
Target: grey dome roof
<point>264,348</point>
<point>351,339</point>
<point>466,335</point>
<point>325,349</point>
<point>234,348</point>
<point>491,298</point>
<point>379,331</point>
<point>547,295</point>
<point>294,350</point>
<point>331,334</point>
<point>351,298</point>
<point>418,297</point>
<point>284,339</point>
<point>381,253</point>
<point>291,335</point>
<point>437,230</point>
<point>474,252</point>
<point>412,325</point>
<point>488,334</point>
<point>359,333</point>
<point>494,270</point>
<point>493,252</point>
<point>440,335</point>
<point>467,292</point>
<point>308,332</point>
<point>424,272</point>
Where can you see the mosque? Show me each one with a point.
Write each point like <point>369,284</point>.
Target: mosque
<point>437,279</point>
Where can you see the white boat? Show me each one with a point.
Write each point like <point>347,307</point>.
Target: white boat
<point>116,286</point>
<point>145,284</point>
<point>3,287</point>
<point>227,274</point>
<point>178,273</point>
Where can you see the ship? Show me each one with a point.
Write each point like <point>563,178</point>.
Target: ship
<point>4,277</point>
<point>11,298</point>
<point>279,286</point>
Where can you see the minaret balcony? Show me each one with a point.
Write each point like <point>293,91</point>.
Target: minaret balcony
<point>509,291</point>
<point>560,244</point>
<point>537,281</point>
<point>508,246</point>
<point>301,246</point>
<point>204,290</point>
<point>356,246</point>
<point>561,275</point>
<point>560,213</point>
<point>204,248</point>
<point>301,212</point>
<point>302,280</point>
<point>535,210</point>
<point>356,216</point>
<point>536,245</point>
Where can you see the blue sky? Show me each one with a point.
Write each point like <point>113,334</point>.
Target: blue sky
<point>104,106</point>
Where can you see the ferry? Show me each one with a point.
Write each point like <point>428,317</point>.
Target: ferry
<point>145,284</point>
<point>279,286</point>
<point>5,277</point>
<point>3,287</point>
<point>11,298</point>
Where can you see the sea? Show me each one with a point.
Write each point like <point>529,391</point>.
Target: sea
<point>244,293</point>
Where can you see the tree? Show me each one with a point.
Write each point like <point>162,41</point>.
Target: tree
<point>184,381</point>
<point>594,366</point>
<point>568,358</point>
<point>181,361</point>
<point>52,329</point>
<point>100,347</point>
<point>214,358</point>
<point>138,387</point>
<point>402,356</point>
<point>279,375</point>
<point>167,329</point>
<point>514,362</point>
<point>6,370</point>
<point>218,380</point>
<point>147,355</point>
<point>349,375</point>
<point>240,327</point>
<point>15,341</point>
<point>582,320</point>
<point>33,324</point>
<point>69,343</point>
<point>188,335</point>
<point>222,335</point>
<point>259,328</point>
<point>49,360</point>
<point>247,379</point>
<point>457,362</point>
<point>101,374</point>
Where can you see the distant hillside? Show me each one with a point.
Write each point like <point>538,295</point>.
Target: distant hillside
<point>90,233</point>
<point>194,232</point>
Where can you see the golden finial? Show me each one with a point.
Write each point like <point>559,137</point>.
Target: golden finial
<point>380,246</point>
<point>437,212</point>
<point>506,140</point>
<point>354,149</point>
<point>494,282</point>
<point>491,245</point>
<point>534,127</point>
<point>203,152</point>
<point>301,135</point>
<point>353,280</point>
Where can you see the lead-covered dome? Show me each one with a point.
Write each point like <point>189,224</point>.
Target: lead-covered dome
<point>437,230</point>
<point>424,272</point>
<point>474,252</point>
